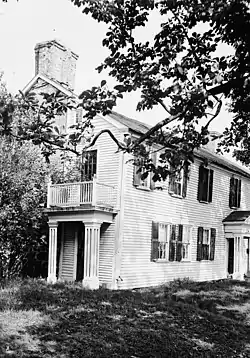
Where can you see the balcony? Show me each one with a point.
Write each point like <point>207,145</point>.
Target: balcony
<point>89,193</point>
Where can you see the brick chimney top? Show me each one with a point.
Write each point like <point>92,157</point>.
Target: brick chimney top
<point>56,61</point>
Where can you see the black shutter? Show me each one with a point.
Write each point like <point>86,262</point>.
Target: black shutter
<point>179,243</point>
<point>171,182</point>
<point>154,159</point>
<point>154,241</point>
<point>232,193</point>
<point>212,243</point>
<point>199,243</point>
<point>185,179</point>
<point>200,183</point>
<point>239,193</point>
<point>172,243</point>
<point>210,188</point>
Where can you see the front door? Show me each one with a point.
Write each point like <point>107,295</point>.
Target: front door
<point>231,256</point>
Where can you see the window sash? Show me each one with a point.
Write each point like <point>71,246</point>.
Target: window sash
<point>206,244</point>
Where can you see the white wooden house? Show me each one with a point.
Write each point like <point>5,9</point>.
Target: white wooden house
<point>116,230</point>
<point>121,232</point>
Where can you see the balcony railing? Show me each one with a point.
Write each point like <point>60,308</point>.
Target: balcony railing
<point>80,193</point>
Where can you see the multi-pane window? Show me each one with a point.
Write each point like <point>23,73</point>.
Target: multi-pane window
<point>139,170</point>
<point>170,242</point>
<point>205,184</point>
<point>206,243</point>
<point>235,193</point>
<point>89,163</point>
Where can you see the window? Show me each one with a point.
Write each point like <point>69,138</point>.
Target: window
<point>206,243</point>
<point>235,193</point>
<point>139,169</point>
<point>89,161</point>
<point>170,242</point>
<point>205,184</point>
<point>178,183</point>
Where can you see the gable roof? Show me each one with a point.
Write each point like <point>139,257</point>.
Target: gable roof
<point>53,83</point>
<point>201,153</point>
<point>132,124</point>
<point>237,216</point>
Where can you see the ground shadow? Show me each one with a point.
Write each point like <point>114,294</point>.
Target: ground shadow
<point>183,319</point>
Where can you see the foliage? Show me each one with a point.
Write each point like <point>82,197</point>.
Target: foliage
<point>179,319</point>
<point>179,70</point>
<point>22,197</point>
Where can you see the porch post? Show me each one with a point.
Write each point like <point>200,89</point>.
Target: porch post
<point>52,252</point>
<point>91,255</point>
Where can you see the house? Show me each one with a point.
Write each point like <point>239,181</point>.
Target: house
<point>115,230</point>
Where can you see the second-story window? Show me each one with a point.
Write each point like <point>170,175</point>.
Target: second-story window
<point>139,169</point>
<point>235,193</point>
<point>205,184</point>
<point>178,182</point>
<point>89,165</point>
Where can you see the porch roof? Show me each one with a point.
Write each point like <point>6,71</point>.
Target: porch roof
<point>237,216</point>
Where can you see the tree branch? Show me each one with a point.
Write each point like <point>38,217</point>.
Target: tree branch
<point>119,144</point>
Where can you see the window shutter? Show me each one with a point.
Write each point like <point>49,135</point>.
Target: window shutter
<point>212,243</point>
<point>154,241</point>
<point>172,243</point>
<point>185,180</point>
<point>199,243</point>
<point>239,194</point>
<point>179,243</point>
<point>231,193</point>
<point>137,176</point>
<point>154,159</point>
<point>200,183</point>
<point>210,189</point>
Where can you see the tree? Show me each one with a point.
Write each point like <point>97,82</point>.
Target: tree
<point>22,196</point>
<point>178,70</point>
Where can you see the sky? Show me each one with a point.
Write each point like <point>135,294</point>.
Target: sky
<point>24,23</point>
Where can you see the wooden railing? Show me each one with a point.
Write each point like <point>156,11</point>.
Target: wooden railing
<point>80,193</point>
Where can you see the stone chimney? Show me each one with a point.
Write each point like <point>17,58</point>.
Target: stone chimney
<point>56,61</point>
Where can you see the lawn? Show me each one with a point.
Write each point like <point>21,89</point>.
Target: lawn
<point>181,319</point>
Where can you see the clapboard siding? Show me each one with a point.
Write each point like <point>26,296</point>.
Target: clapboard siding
<point>141,207</point>
<point>68,252</point>
<point>106,254</point>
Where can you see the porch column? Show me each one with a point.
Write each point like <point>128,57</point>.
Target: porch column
<point>52,252</point>
<point>91,255</point>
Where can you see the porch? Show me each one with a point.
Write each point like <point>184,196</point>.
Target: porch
<point>76,212</point>
<point>237,233</point>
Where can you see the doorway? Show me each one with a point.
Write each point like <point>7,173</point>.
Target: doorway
<point>231,256</point>
<point>80,254</point>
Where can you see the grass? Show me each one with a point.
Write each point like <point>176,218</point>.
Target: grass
<point>181,319</point>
